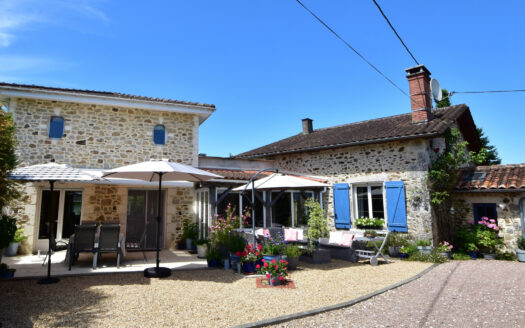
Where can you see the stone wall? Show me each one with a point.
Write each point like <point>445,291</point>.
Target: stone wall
<point>105,203</point>
<point>375,163</point>
<point>179,207</point>
<point>508,217</point>
<point>100,136</point>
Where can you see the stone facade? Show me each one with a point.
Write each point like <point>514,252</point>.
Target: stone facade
<point>508,217</point>
<point>406,161</point>
<point>98,136</point>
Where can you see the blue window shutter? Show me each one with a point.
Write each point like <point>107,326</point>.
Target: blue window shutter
<point>341,206</point>
<point>159,135</point>
<point>395,205</point>
<point>56,127</point>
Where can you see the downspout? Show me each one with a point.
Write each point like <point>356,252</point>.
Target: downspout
<point>522,216</point>
<point>321,196</point>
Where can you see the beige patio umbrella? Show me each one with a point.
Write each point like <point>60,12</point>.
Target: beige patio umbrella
<point>159,170</point>
<point>51,172</point>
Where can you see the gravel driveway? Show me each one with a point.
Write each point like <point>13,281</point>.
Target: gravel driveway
<point>477,293</point>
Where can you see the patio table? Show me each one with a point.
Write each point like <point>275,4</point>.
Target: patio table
<point>373,255</point>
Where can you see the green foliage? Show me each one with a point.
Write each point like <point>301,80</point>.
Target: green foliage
<point>433,257</point>
<point>19,236</point>
<point>8,188</point>
<point>445,101</point>
<point>461,256</point>
<point>443,176</point>
<point>236,243</point>
<point>369,223</point>
<point>409,249</point>
<point>273,246</point>
<point>317,222</point>
<point>292,251</point>
<point>423,242</point>
<point>506,256</point>
<point>220,231</point>
<point>212,253</point>
<point>190,230</point>
<point>397,239</point>
<point>7,230</point>
<point>370,233</point>
<point>202,242</point>
<point>521,243</point>
<point>492,153</point>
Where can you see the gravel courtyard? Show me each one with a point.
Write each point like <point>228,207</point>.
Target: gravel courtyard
<point>457,294</point>
<point>199,298</point>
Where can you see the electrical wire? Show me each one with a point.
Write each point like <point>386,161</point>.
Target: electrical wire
<point>393,29</point>
<point>488,91</point>
<point>351,48</point>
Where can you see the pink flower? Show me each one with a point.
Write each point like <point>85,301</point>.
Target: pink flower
<point>265,264</point>
<point>263,260</point>
<point>273,261</point>
<point>273,281</point>
<point>490,225</point>
<point>496,228</point>
<point>276,267</point>
<point>258,266</point>
<point>281,278</point>
<point>268,275</point>
<point>492,220</point>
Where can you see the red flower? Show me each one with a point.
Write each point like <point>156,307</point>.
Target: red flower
<point>257,253</point>
<point>281,278</point>
<point>286,268</point>
<point>273,261</point>
<point>259,247</point>
<point>281,261</point>
<point>268,275</point>
<point>244,253</point>
<point>263,260</point>
<point>276,267</point>
<point>238,253</point>
<point>265,264</point>
<point>273,281</point>
<point>258,266</point>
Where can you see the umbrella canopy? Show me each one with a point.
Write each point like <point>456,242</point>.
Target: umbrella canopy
<point>50,172</point>
<point>283,181</point>
<point>170,171</point>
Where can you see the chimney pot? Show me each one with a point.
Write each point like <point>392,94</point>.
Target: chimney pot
<point>420,99</point>
<point>308,126</point>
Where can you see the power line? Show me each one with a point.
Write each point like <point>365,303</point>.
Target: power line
<point>488,91</point>
<point>393,29</point>
<point>351,48</point>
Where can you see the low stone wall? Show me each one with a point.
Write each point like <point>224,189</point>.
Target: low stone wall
<point>508,218</point>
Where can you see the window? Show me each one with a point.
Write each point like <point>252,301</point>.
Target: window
<point>159,135</point>
<point>56,127</point>
<point>369,201</point>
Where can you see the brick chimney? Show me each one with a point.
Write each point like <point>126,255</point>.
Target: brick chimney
<point>420,98</point>
<point>308,126</point>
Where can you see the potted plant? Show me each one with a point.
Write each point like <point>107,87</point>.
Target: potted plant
<point>5,272</point>
<point>220,232</point>
<point>7,232</point>
<point>292,252</point>
<point>275,271</point>
<point>395,241</point>
<point>424,246</point>
<point>317,228</point>
<point>370,233</point>
<point>445,248</point>
<point>236,246</point>
<point>273,248</point>
<point>202,247</point>
<point>487,237</point>
<point>249,258</point>
<point>190,232</point>
<point>403,252</point>
<point>213,256</point>
<point>12,248</point>
<point>520,251</point>
<point>472,250</point>
<point>370,223</point>
<point>181,243</point>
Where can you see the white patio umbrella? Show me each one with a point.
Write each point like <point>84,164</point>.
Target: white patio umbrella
<point>283,181</point>
<point>159,170</point>
<point>51,172</point>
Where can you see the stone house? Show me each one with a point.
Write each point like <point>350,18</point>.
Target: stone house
<point>377,167</point>
<point>497,192</point>
<point>95,131</point>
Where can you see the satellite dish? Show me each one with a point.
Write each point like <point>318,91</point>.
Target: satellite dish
<point>435,89</point>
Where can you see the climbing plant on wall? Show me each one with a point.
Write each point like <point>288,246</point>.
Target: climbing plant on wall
<point>8,188</point>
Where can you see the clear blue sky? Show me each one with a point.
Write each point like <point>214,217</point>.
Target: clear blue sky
<point>268,64</point>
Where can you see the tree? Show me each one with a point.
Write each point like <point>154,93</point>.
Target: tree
<point>492,153</point>
<point>445,100</point>
<point>8,161</point>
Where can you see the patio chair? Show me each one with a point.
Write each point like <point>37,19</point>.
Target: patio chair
<point>138,245</point>
<point>83,242</point>
<point>108,242</point>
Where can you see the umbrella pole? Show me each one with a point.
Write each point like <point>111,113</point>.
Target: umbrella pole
<point>253,212</point>
<point>50,280</point>
<point>158,271</point>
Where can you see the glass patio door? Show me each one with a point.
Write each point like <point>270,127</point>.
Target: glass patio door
<point>142,216</point>
<point>203,211</point>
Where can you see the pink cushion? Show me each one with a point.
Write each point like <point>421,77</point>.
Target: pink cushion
<point>347,239</point>
<point>266,233</point>
<point>290,235</point>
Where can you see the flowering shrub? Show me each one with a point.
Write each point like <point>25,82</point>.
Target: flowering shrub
<point>274,269</point>
<point>273,246</point>
<point>364,223</point>
<point>250,254</point>
<point>487,235</point>
<point>445,247</point>
<point>220,231</point>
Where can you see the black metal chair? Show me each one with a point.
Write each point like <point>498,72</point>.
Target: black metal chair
<point>138,245</point>
<point>108,242</point>
<point>83,242</point>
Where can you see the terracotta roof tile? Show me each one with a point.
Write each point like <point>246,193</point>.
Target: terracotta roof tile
<point>494,177</point>
<point>377,130</point>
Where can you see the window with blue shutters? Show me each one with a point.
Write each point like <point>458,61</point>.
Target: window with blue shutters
<point>341,206</point>
<point>56,127</point>
<point>396,206</point>
<point>159,135</point>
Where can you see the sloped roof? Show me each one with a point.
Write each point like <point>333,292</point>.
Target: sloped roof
<point>509,177</point>
<point>50,171</point>
<point>102,93</point>
<point>236,174</point>
<point>385,129</point>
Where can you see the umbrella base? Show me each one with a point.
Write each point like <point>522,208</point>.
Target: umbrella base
<point>157,272</point>
<point>48,280</point>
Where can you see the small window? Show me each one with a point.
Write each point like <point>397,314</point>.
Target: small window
<point>159,135</point>
<point>369,202</point>
<point>56,127</point>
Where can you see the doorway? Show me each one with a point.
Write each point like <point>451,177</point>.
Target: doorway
<point>142,216</point>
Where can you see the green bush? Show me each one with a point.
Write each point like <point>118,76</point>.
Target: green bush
<point>397,239</point>
<point>212,253</point>
<point>7,230</point>
<point>461,256</point>
<point>19,236</point>
<point>521,243</point>
<point>423,242</point>
<point>190,230</point>
<point>236,243</point>
<point>433,257</point>
<point>507,256</point>
<point>292,251</point>
<point>317,222</point>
